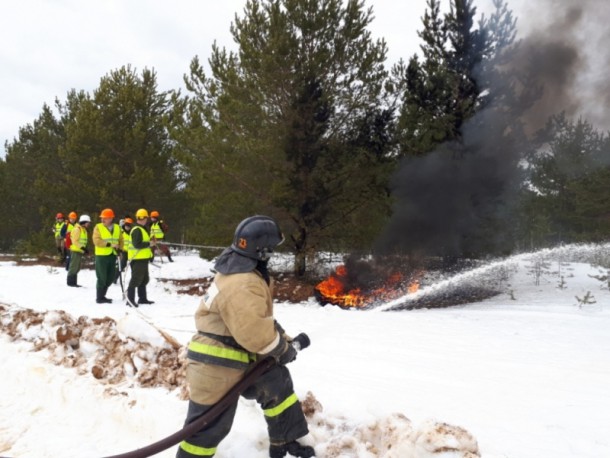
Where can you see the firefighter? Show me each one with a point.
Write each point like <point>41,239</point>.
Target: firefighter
<point>139,255</point>
<point>108,241</point>
<point>236,327</point>
<point>65,235</point>
<point>78,248</point>
<point>60,222</point>
<point>158,229</point>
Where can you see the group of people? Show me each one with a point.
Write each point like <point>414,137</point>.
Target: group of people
<point>115,245</point>
<point>236,329</point>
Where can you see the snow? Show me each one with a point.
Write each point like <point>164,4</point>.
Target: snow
<point>524,377</point>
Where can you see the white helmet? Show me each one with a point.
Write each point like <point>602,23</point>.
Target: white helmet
<point>84,219</point>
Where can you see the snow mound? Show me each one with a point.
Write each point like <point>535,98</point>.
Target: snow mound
<point>390,437</point>
<point>112,352</point>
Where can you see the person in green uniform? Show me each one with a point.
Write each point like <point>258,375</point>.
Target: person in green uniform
<point>139,255</point>
<point>108,241</point>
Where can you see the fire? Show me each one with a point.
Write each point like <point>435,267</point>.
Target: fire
<point>336,289</point>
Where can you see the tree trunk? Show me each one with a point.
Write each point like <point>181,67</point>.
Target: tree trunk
<point>300,252</point>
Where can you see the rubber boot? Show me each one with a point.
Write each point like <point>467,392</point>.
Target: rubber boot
<point>294,448</point>
<point>100,299</point>
<point>142,299</point>
<point>108,301</point>
<point>131,297</point>
<point>72,281</point>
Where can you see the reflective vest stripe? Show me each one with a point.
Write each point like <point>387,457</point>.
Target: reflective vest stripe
<point>107,237</point>
<point>156,231</point>
<point>196,450</point>
<point>285,404</point>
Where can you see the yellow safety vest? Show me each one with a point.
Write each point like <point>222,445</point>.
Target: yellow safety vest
<point>82,240</point>
<point>156,231</point>
<point>112,238</point>
<point>139,253</point>
<point>126,241</point>
<point>57,229</point>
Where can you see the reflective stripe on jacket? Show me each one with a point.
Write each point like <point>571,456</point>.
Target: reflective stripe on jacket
<point>101,235</point>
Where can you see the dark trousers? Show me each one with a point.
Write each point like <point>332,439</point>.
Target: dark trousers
<point>139,273</point>
<point>105,270</point>
<point>275,394</point>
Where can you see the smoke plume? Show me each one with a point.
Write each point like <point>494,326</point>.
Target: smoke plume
<point>453,201</point>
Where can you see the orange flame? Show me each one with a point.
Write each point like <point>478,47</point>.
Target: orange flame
<point>333,290</point>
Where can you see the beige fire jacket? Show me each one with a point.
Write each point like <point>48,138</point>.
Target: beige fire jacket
<point>235,327</point>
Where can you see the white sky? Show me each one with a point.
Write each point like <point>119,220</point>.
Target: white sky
<point>48,47</point>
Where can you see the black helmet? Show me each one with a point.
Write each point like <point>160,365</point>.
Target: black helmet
<point>256,237</point>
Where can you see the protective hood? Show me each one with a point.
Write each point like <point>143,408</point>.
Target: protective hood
<point>230,262</point>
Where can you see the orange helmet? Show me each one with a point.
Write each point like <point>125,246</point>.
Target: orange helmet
<point>154,214</point>
<point>72,215</point>
<point>107,213</point>
<point>59,216</point>
<point>128,221</point>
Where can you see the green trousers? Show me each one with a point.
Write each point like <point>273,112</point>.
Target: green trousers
<point>75,260</point>
<point>139,273</point>
<point>105,270</point>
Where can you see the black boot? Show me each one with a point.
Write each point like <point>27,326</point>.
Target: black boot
<point>142,299</point>
<point>72,281</point>
<point>108,301</point>
<point>294,448</point>
<point>131,297</point>
<point>101,299</point>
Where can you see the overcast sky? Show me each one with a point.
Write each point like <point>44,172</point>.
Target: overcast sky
<point>48,47</point>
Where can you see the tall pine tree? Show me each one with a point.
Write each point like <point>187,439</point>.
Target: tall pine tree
<point>290,124</point>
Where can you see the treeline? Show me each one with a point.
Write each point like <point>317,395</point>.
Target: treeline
<point>306,122</point>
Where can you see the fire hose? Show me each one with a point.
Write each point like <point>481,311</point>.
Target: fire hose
<point>186,245</point>
<point>205,419</point>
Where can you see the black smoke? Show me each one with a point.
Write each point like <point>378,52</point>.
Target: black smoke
<point>460,199</point>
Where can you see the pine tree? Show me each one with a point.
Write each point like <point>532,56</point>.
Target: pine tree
<point>569,181</point>
<point>290,124</point>
<point>456,76</point>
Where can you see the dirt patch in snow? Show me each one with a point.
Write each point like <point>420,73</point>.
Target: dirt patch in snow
<point>96,346</point>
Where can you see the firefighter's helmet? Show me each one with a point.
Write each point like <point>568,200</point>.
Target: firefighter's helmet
<point>257,237</point>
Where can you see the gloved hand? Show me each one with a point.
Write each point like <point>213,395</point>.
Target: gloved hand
<point>85,250</point>
<point>301,341</point>
<point>289,355</point>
